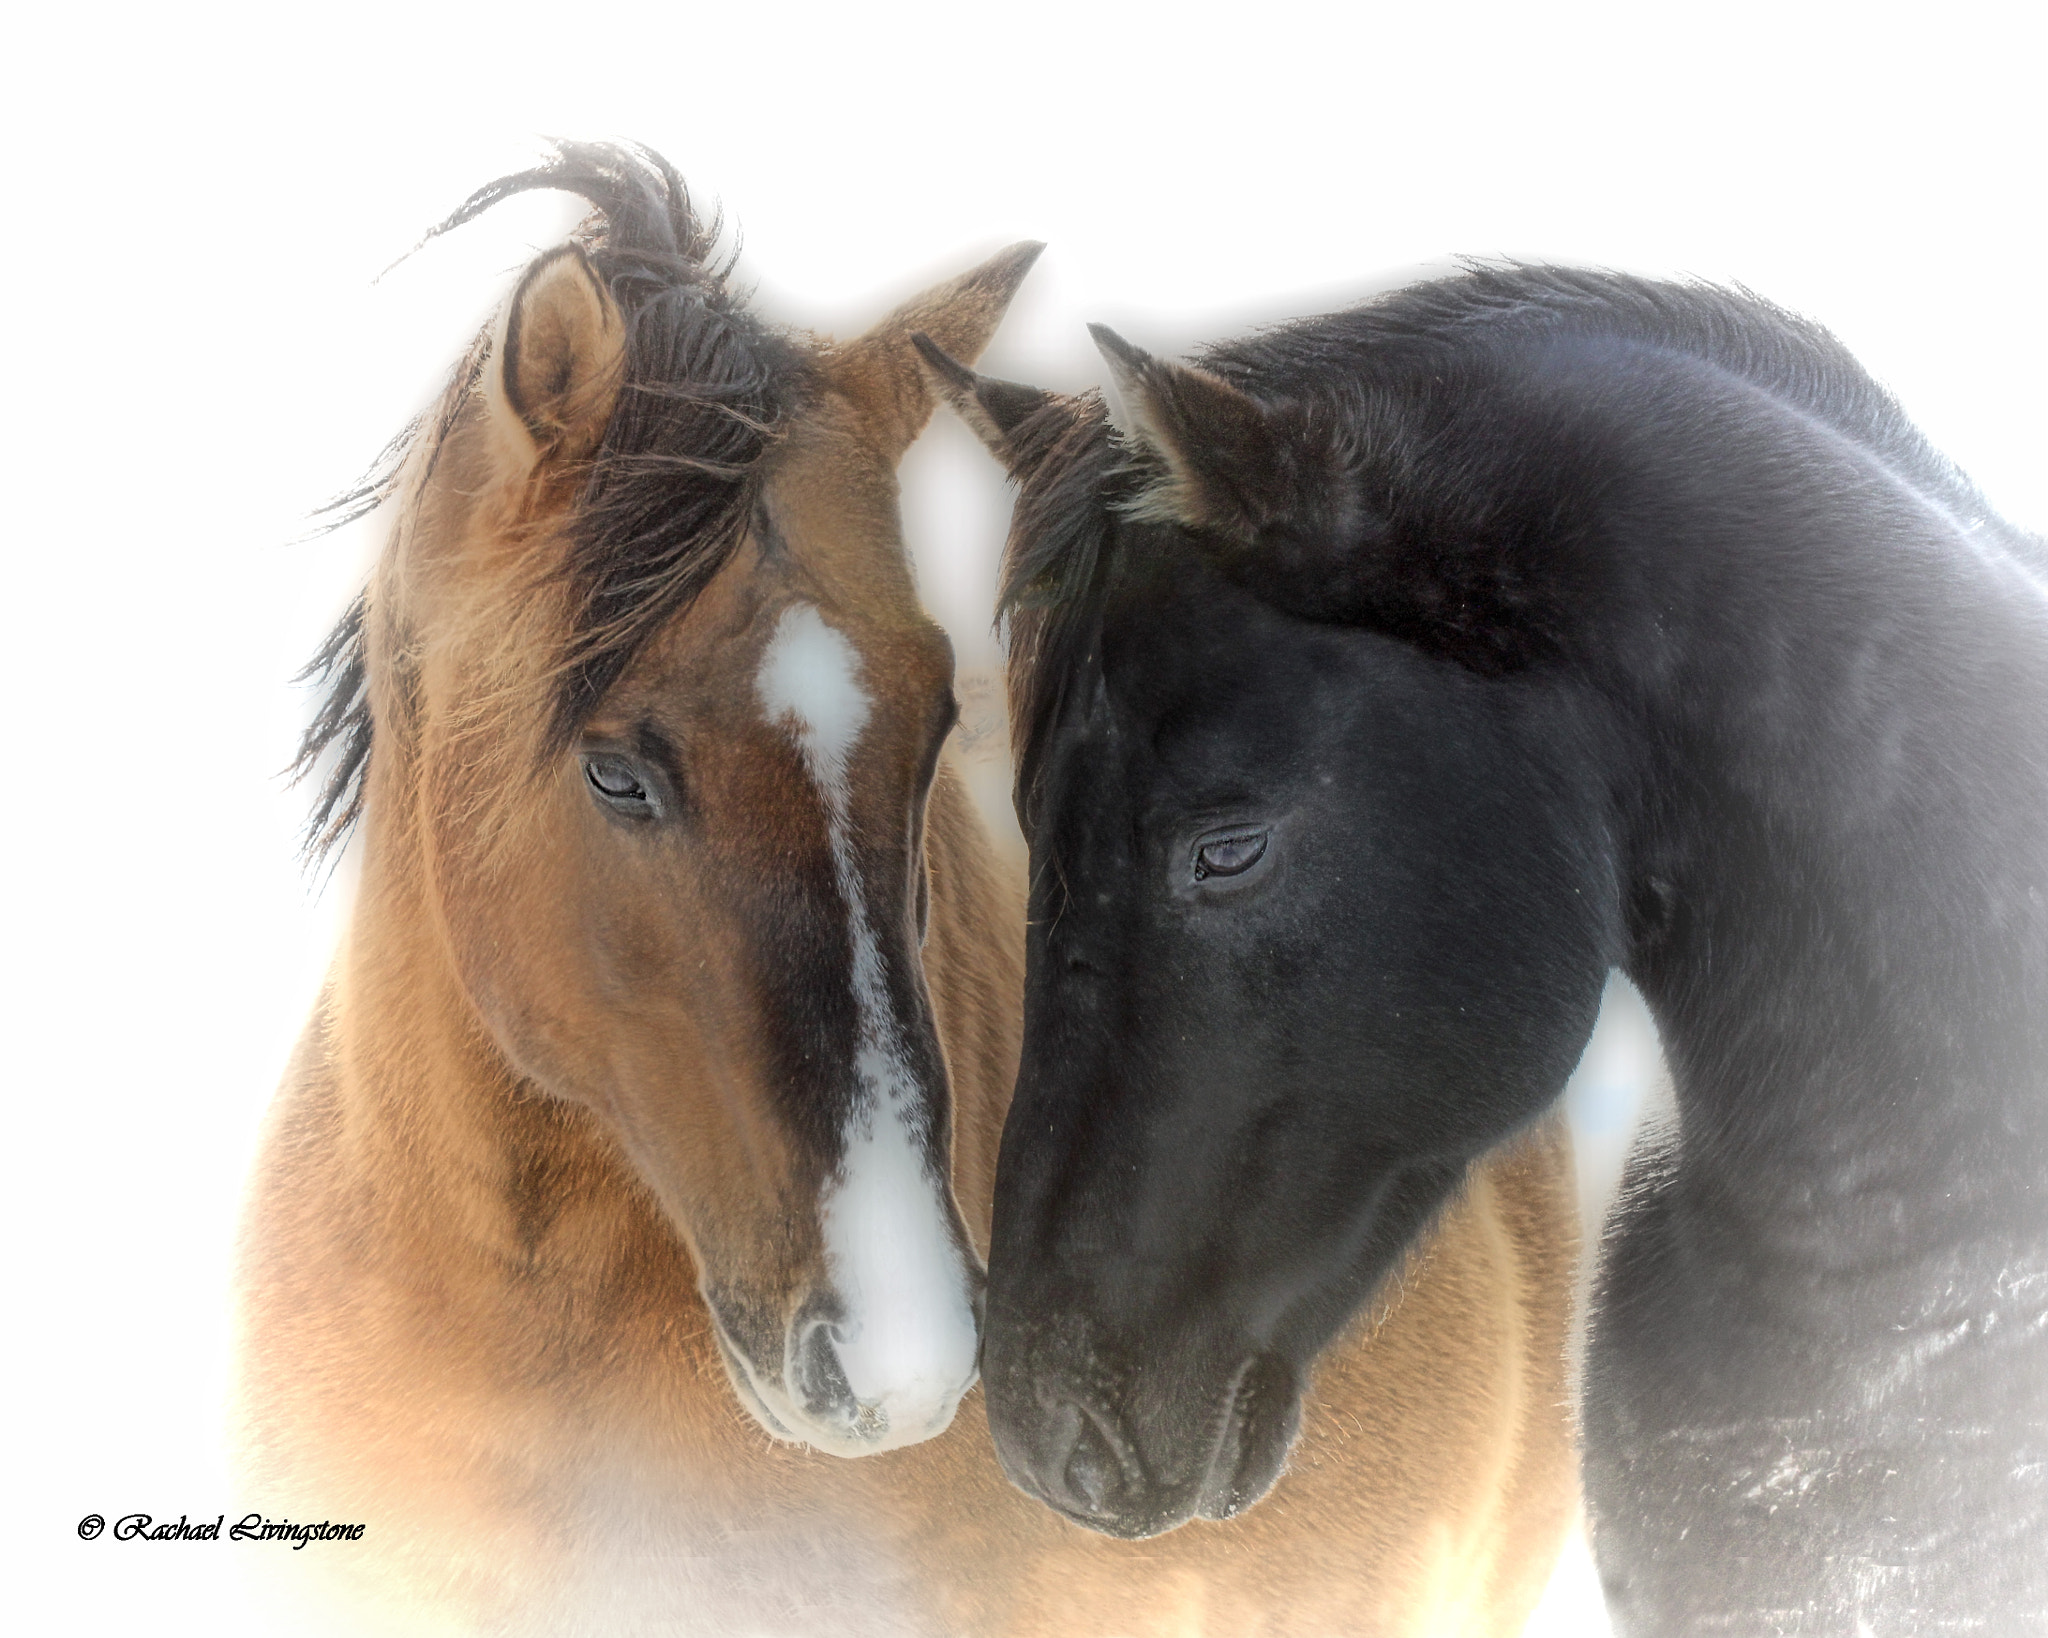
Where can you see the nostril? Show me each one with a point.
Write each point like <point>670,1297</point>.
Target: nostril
<point>821,1378</point>
<point>1091,1471</point>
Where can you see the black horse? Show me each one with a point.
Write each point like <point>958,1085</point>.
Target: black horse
<point>1393,676</point>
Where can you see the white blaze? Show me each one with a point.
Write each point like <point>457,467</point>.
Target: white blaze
<point>907,1343</point>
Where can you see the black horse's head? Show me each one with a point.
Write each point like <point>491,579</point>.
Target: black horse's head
<point>1320,912</point>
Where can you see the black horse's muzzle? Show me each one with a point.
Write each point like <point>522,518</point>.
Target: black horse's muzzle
<point>1133,1451</point>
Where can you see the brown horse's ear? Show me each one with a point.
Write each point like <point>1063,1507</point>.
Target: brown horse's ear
<point>561,356</point>
<point>880,370</point>
<point>994,409</point>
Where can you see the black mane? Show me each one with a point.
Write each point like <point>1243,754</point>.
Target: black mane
<point>1462,321</point>
<point>668,493</point>
<point>1451,333</point>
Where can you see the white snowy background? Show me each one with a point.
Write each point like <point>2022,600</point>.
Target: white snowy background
<point>199,200</point>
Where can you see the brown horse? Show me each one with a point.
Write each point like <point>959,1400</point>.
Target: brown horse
<point>672,1036</point>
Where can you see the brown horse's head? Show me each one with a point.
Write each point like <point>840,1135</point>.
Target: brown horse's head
<point>657,710</point>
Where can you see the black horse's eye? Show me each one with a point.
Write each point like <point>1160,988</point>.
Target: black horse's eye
<point>613,778</point>
<point>1229,855</point>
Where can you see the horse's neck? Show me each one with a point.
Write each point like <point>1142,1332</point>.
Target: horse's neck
<point>1849,827</point>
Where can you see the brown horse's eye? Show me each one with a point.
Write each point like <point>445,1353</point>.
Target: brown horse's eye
<point>614,780</point>
<point>1229,855</point>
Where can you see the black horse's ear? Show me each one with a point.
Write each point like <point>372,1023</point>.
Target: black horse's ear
<point>1232,467</point>
<point>1229,466</point>
<point>1021,425</point>
<point>994,409</point>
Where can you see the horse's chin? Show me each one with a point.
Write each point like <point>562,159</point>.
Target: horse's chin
<point>866,1436</point>
<point>1259,1425</point>
<point>749,1395</point>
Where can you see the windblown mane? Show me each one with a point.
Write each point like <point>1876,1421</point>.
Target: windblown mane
<point>1075,473</point>
<point>667,495</point>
